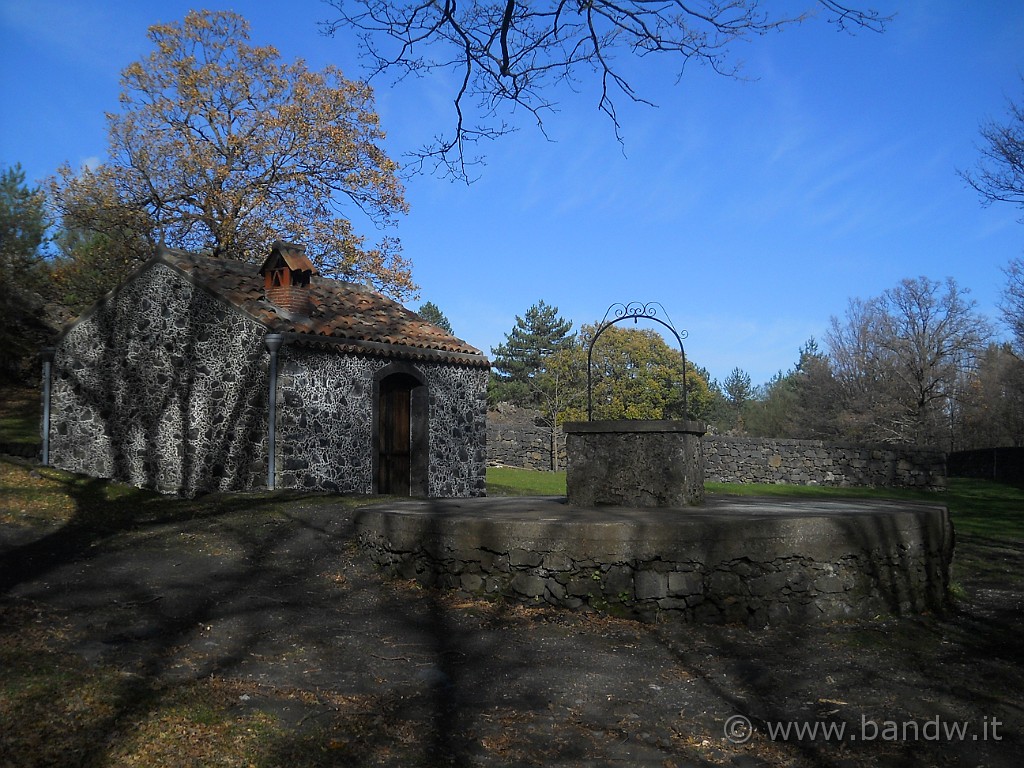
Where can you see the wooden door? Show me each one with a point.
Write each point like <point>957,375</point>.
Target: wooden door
<point>394,441</point>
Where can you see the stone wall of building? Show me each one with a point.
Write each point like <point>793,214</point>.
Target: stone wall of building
<point>325,434</point>
<point>458,430</point>
<point>162,386</point>
<point>815,462</point>
<point>324,426</point>
<point>518,437</point>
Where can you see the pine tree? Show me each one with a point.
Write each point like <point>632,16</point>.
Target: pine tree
<point>433,314</point>
<point>522,358</point>
<point>27,324</point>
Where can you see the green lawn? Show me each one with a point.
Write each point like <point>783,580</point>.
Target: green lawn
<point>509,481</point>
<point>19,416</point>
<point>979,507</point>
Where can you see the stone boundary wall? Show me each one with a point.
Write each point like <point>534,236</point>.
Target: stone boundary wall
<point>816,462</point>
<point>516,437</point>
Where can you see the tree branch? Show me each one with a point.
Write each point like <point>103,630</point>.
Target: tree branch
<point>513,54</point>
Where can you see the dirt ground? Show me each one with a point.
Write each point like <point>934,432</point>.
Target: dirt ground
<point>287,615</point>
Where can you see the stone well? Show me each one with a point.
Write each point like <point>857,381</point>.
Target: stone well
<point>657,463</point>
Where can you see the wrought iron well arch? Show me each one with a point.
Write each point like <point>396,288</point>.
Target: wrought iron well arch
<point>634,311</point>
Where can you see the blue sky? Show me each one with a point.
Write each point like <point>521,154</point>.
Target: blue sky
<point>752,210</point>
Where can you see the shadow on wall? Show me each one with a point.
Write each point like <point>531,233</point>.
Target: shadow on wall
<point>162,387</point>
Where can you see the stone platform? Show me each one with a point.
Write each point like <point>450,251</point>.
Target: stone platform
<point>755,561</point>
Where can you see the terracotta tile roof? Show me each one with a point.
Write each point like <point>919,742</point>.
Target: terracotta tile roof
<point>345,316</point>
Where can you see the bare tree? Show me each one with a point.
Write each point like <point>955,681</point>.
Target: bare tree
<point>505,52</point>
<point>864,374</point>
<point>990,409</point>
<point>1012,305</point>
<point>901,355</point>
<point>1000,173</point>
<point>932,337</point>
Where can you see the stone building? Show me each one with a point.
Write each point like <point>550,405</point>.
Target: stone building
<point>201,374</point>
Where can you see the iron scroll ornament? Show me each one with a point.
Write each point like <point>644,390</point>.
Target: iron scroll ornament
<point>634,311</point>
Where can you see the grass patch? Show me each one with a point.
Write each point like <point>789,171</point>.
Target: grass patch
<point>59,710</point>
<point>19,416</point>
<point>986,508</point>
<point>979,507</point>
<point>509,481</point>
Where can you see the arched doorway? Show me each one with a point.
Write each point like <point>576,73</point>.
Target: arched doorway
<point>401,433</point>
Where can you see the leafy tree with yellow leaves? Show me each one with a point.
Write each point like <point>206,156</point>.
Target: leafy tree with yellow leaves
<point>220,146</point>
<point>636,375</point>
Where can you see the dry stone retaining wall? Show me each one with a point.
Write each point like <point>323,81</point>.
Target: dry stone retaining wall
<point>517,437</point>
<point>815,462</point>
<point>514,439</point>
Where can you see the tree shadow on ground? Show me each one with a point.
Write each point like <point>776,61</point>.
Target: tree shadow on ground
<point>139,581</point>
<point>263,613</point>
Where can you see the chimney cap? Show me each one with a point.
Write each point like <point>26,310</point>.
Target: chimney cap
<point>293,255</point>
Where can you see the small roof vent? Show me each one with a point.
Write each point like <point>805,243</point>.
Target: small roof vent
<point>286,274</point>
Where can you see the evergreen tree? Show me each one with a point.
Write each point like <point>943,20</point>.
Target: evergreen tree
<point>23,225</point>
<point>523,357</point>
<point>771,412</point>
<point>433,314</point>
<point>88,264</point>
<point>737,390</point>
<point>815,413</point>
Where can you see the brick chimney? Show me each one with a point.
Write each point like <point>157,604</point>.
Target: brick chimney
<point>286,274</point>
